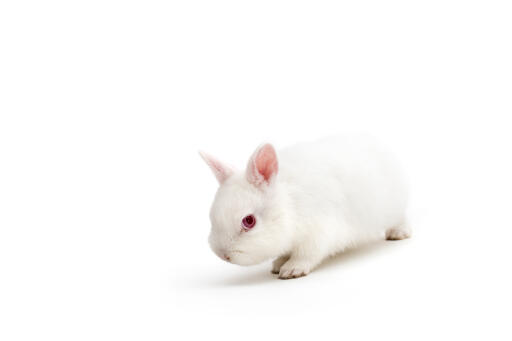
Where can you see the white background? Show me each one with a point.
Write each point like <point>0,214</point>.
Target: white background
<point>104,201</point>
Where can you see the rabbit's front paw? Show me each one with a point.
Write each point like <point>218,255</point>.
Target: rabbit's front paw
<point>293,269</point>
<point>398,233</point>
<point>278,263</point>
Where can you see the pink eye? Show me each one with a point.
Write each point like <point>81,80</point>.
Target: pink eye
<point>248,222</point>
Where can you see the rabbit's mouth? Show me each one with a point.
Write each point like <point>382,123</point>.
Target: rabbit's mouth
<point>227,255</point>
<point>235,256</point>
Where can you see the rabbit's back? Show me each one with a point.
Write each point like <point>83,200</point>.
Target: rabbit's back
<point>350,186</point>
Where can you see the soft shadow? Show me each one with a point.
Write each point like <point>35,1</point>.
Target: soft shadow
<point>362,252</point>
<point>243,276</point>
<point>261,275</point>
<point>257,277</point>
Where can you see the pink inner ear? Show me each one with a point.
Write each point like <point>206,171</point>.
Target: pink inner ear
<point>217,167</point>
<point>266,162</point>
<point>221,171</point>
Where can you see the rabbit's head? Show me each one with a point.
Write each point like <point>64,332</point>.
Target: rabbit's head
<point>249,214</point>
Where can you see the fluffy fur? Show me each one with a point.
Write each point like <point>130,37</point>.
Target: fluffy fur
<point>310,201</point>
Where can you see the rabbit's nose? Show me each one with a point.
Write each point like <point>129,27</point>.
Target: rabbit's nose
<point>226,257</point>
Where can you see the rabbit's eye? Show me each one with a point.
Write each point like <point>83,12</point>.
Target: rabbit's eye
<point>248,222</point>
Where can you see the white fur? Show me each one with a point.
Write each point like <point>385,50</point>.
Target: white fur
<point>326,196</point>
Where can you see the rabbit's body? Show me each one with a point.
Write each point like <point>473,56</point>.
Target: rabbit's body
<point>323,197</point>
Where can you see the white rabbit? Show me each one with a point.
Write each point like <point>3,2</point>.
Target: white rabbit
<point>305,203</point>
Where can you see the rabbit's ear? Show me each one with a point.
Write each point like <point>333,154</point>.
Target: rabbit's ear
<point>262,166</point>
<point>220,170</point>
